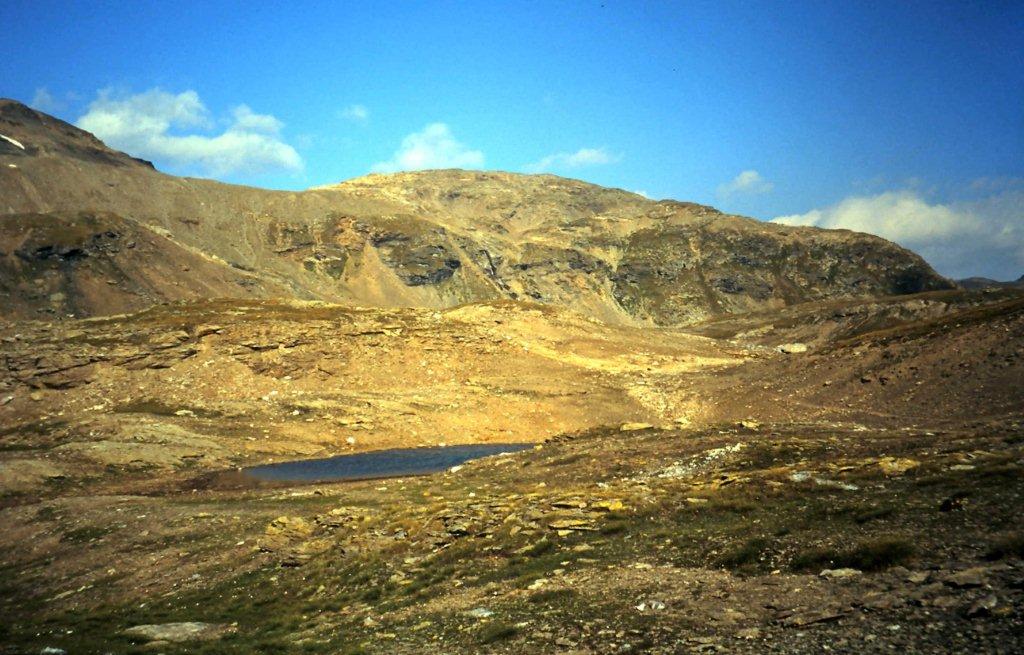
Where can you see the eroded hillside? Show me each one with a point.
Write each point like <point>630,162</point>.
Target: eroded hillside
<point>434,239</point>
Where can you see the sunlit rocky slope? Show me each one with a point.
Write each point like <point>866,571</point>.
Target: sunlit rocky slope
<point>88,231</point>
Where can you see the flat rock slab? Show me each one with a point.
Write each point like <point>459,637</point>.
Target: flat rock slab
<point>179,632</point>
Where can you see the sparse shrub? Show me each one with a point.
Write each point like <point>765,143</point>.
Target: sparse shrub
<point>873,514</point>
<point>552,596</point>
<point>613,527</point>
<point>1010,545</point>
<point>874,555</point>
<point>496,631</point>
<point>85,534</point>
<point>540,548</point>
<point>746,554</point>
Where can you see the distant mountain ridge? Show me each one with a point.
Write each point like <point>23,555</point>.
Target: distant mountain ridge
<point>87,230</point>
<point>988,283</point>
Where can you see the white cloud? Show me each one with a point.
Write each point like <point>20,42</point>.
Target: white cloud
<point>432,147</point>
<point>979,237</point>
<point>747,182</point>
<point>356,113</point>
<point>564,160</point>
<point>149,125</point>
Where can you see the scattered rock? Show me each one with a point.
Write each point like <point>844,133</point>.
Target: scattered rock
<point>798,619</point>
<point>633,427</point>
<point>966,579</point>
<point>793,348</point>
<point>897,466</point>
<point>179,632</point>
<point>983,607</point>
<point>840,574</point>
<point>581,525</point>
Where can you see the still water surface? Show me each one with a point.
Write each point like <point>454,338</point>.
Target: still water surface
<point>379,464</point>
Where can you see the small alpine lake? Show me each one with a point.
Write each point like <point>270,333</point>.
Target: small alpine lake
<point>398,462</point>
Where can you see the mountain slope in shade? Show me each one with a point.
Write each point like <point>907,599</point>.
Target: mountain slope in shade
<point>988,283</point>
<point>430,239</point>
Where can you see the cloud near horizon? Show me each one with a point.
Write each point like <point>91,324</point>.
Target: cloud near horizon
<point>981,237</point>
<point>432,147</point>
<point>163,127</point>
<point>748,182</point>
<point>571,160</point>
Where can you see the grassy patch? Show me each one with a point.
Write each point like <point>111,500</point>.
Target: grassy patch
<point>542,547</point>
<point>875,555</point>
<point>157,407</point>
<point>745,555</point>
<point>873,514</point>
<point>85,534</point>
<point>552,597</point>
<point>1010,545</point>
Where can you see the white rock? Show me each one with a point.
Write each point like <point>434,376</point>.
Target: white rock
<point>840,574</point>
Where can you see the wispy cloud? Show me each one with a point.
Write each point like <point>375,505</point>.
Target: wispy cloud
<point>571,160</point>
<point>432,147</point>
<point>984,236</point>
<point>163,127</point>
<point>355,113</point>
<point>43,100</point>
<point>748,182</point>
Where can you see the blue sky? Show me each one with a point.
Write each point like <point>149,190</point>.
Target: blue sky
<point>905,119</point>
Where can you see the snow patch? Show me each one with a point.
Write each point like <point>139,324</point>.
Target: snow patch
<point>17,143</point>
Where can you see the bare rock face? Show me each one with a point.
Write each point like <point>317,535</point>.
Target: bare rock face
<point>88,231</point>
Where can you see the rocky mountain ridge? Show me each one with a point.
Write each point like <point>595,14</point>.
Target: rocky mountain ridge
<point>86,230</point>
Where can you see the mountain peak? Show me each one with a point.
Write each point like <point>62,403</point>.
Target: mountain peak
<point>43,135</point>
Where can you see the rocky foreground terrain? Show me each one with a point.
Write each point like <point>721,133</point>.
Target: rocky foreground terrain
<point>747,438</point>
